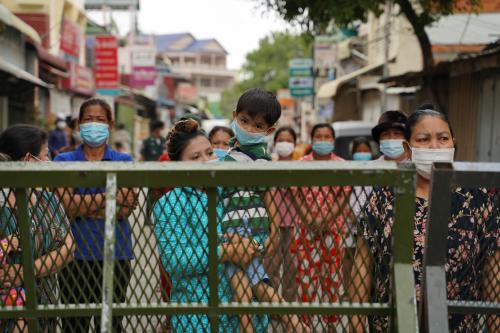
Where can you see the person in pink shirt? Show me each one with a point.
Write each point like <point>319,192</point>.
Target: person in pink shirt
<point>284,145</point>
<point>321,230</point>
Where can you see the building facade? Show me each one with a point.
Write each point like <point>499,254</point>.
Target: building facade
<point>389,38</point>
<point>202,61</point>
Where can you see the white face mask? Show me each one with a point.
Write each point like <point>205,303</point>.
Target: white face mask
<point>284,149</point>
<point>424,157</point>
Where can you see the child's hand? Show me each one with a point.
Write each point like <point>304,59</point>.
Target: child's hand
<point>240,250</point>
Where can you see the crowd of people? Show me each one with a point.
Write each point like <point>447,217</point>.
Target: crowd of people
<point>306,244</point>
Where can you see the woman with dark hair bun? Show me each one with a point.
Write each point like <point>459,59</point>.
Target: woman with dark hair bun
<point>187,142</point>
<point>52,241</point>
<point>181,224</point>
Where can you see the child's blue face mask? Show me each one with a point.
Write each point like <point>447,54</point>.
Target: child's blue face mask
<point>94,134</point>
<point>220,153</point>
<point>247,138</point>
<point>362,156</point>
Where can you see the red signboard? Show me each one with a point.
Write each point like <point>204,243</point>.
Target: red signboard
<point>70,38</point>
<point>80,80</point>
<point>186,93</point>
<point>106,63</point>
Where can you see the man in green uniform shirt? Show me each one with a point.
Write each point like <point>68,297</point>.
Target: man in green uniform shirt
<point>153,147</point>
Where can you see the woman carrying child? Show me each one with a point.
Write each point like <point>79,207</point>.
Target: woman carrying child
<point>181,224</point>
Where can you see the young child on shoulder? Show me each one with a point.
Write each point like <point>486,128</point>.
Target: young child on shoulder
<point>247,209</point>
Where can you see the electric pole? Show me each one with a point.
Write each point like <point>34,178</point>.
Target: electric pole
<point>387,41</point>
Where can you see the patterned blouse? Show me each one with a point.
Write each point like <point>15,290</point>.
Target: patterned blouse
<point>474,232</point>
<point>49,229</point>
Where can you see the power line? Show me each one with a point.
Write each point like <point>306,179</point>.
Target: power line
<point>465,30</point>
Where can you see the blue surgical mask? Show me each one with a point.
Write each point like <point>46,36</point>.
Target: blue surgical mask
<point>94,134</point>
<point>392,148</point>
<point>247,138</point>
<point>323,148</point>
<point>220,153</point>
<point>362,156</point>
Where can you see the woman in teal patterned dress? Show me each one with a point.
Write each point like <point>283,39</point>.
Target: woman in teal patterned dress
<point>181,225</point>
<point>51,239</point>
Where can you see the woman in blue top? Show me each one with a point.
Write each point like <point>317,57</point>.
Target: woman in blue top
<point>181,224</point>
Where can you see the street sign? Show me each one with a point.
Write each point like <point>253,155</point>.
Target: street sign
<point>301,92</point>
<point>293,72</point>
<point>300,77</point>
<point>300,63</point>
<point>300,82</point>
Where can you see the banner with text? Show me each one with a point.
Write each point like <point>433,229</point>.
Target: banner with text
<point>106,65</point>
<point>143,67</point>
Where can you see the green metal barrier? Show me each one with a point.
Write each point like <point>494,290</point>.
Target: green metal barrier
<point>452,180</point>
<point>23,178</point>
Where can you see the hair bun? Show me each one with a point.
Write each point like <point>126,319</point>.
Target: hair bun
<point>185,126</point>
<point>180,135</point>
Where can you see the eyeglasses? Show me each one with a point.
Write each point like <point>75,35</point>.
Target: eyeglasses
<point>38,159</point>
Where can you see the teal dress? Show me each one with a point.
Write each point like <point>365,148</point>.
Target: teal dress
<point>181,225</point>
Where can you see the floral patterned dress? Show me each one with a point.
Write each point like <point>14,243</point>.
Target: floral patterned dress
<point>473,236</point>
<point>319,255</point>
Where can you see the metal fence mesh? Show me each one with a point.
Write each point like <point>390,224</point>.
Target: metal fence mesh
<point>473,258</point>
<point>291,246</point>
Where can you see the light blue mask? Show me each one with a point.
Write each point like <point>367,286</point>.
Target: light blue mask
<point>362,156</point>
<point>94,134</point>
<point>220,153</point>
<point>392,148</point>
<point>323,148</point>
<point>246,138</point>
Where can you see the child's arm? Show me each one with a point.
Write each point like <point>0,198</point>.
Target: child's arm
<point>275,219</point>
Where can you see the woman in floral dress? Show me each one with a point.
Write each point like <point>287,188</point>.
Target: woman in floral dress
<point>473,233</point>
<point>321,231</point>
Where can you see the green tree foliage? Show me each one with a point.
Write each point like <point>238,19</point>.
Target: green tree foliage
<point>267,66</point>
<point>316,15</point>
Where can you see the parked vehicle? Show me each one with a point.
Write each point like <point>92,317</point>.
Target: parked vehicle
<point>346,131</point>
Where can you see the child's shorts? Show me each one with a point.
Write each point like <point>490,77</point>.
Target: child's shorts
<point>255,271</point>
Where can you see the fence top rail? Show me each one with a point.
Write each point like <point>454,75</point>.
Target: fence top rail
<point>154,174</point>
<point>476,167</point>
<point>470,174</point>
<point>197,166</point>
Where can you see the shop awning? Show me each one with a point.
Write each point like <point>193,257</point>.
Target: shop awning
<point>54,61</point>
<point>22,74</point>
<point>12,20</point>
<point>329,89</point>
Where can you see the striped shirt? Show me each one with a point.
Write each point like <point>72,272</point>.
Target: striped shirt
<point>244,206</point>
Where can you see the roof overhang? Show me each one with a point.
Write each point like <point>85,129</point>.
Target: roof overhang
<point>12,20</point>
<point>329,89</point>
<point>22,74</point>
<point>54,61</point>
